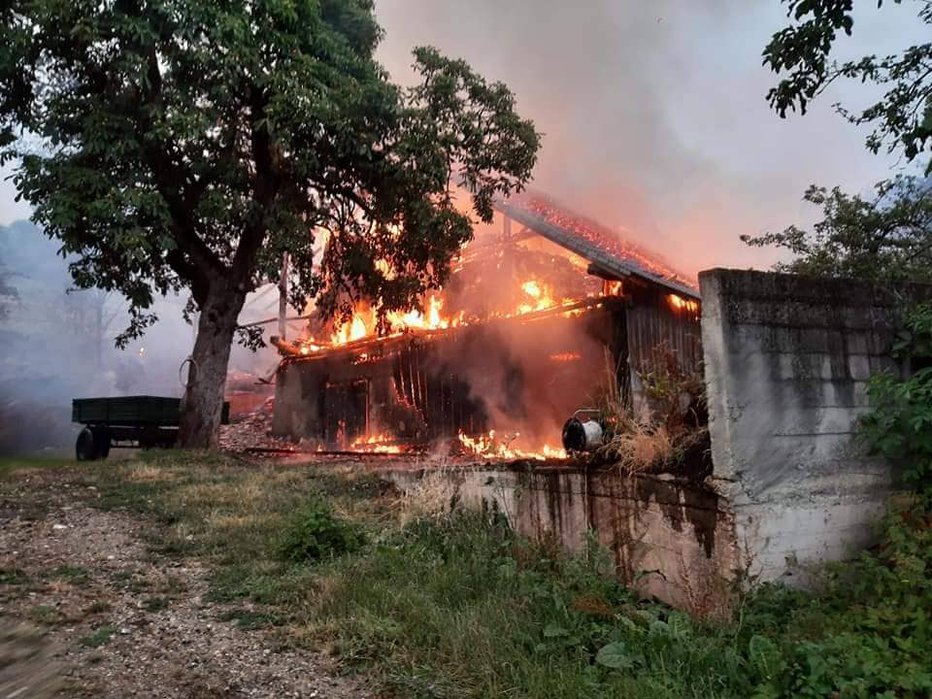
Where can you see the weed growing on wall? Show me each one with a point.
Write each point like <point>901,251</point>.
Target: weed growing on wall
<point>670,433</point>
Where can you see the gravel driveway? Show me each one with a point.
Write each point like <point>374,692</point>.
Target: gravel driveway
<point>84,605</point>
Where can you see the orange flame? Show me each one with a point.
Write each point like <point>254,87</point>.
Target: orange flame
<point>376,444</point>
<point>565,357</point>
<point>681,304</point>
<point>488,446</point>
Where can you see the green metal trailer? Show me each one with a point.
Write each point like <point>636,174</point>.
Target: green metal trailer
<point>127,421</point>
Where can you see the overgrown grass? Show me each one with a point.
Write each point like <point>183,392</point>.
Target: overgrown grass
<point>459,607</point>
<point>455,605</point>
<point>75,575</point>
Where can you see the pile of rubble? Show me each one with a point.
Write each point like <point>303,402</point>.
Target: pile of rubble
<point>254,431</point>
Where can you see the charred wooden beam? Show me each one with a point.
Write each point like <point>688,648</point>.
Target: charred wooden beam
<point>612,275</point>
<point>288,349</point>
<point>571,241</point>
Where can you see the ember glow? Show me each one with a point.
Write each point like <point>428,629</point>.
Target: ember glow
<point>377,444</point>
<point>681,304</point>
<point>565,357</point>
<point>597,237</point>
<point>490,446</point>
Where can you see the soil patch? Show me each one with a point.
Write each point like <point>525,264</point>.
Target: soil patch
<point>106,617</point>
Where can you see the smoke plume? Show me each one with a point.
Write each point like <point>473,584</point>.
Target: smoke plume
<point>653,113</point>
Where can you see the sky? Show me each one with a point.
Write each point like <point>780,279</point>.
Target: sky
<point>653,113</point>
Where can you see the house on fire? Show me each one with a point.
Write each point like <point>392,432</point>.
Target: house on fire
<point>545,313</point>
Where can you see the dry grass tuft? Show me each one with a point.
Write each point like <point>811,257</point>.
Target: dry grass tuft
<point>431,497</point>
<point>140,472</point>
<point>235,521</point>
<point>640,447</point>
<point>671,423</point>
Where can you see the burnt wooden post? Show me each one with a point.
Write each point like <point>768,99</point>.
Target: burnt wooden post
<point>283,299</point>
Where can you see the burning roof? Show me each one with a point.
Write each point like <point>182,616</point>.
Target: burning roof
<point>611,255</point>
<point>499,276</point>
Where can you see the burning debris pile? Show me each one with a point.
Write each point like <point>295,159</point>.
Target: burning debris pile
<point>492,364</point>
<point>490,446</point>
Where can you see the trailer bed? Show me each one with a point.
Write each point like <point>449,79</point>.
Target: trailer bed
<point>127,421</point>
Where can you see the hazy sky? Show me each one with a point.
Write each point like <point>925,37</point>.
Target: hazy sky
<point>653,112</point>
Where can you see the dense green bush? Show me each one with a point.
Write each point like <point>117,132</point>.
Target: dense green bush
<point>899,426</point>
<point>314,533</point>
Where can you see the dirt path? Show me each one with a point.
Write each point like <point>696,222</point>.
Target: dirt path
<point>119,621</point>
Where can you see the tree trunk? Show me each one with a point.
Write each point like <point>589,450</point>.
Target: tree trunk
<point>203,399</point>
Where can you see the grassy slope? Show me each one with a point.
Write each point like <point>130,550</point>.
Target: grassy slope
<point>456,606</point>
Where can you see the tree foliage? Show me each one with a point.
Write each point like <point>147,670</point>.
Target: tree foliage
<point>899,426</point>
<point>179,144</point>
<point>901,118</point>
<point>886,238</point>
<point>175,141</point>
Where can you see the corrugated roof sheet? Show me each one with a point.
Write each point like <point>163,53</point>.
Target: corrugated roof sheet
<point>600,245</point>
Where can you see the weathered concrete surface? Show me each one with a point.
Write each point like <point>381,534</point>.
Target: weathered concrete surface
<point>787,361</point>
<point>670,540</point>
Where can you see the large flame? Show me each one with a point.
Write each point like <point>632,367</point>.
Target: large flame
<point>364,323</point>
<point>535,295</point>
<point>537,288</point>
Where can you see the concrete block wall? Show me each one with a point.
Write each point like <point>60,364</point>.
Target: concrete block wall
<point>787,360</point>
<point>669,539</point>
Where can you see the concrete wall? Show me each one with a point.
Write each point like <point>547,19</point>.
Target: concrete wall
<point>669,539</point>
<point>787,361</point>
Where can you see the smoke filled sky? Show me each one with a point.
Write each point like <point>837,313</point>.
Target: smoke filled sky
<point>653,112</point>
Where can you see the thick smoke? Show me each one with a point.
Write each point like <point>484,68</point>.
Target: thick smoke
<point>57,343</point>
<point>529,377</point>
<point>653,113</point>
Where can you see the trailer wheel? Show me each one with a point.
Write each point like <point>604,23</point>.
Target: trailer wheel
<point>85,448</point>
<point>101,441</point>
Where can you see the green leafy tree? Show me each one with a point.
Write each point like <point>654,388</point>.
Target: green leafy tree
<point>899,425</point>
<point>885,238</point>
<point>179,144</point>
<point>901,118</point>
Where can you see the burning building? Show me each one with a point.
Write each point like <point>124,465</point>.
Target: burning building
<point>545,313</point>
